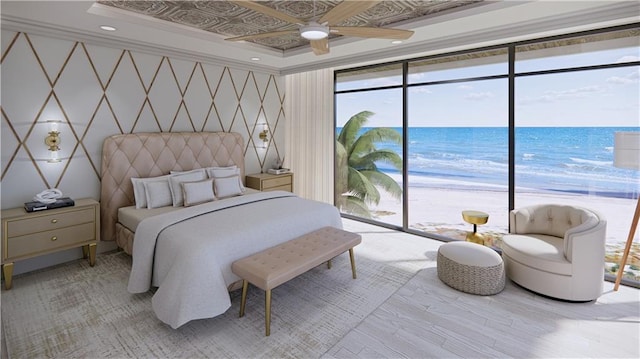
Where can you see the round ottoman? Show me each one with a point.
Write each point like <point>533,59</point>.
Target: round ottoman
<point>471,268</point>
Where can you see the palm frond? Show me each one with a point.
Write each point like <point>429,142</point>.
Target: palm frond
<point>355,206</point>
<point>384,181</point>
<point>367,141</point>
<point>384,156</point>
<point>350,130</point>
<point>361,187</point>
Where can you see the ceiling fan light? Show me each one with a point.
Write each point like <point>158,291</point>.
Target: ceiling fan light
<point>314,31</point>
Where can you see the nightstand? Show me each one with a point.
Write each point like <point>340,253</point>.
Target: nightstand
<point>31,234</point>
<point>269,182</point>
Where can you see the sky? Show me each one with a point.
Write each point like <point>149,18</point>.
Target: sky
<point>606,97</point>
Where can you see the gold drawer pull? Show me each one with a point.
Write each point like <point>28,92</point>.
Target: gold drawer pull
<point>54,238</point>
<point>54,221</point>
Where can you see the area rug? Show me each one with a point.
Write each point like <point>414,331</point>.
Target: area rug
<point>77,311</point>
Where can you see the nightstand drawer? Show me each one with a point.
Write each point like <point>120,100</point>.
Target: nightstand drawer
<point>48,240</point>
<point>276,182</point>
<point>286,187</point>
<point>49,222</point>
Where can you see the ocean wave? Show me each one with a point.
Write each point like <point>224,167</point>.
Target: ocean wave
<point>592,162</point>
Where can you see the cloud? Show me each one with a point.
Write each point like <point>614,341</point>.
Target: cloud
<point>478,96</point>
<point>465,87</point>
<point>628,58</point>
<point>554,96</point>
<point>631,78</point>
<point>416,77</point>
<point>419,90</point>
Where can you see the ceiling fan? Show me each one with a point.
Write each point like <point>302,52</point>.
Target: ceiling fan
<point>317,31</point>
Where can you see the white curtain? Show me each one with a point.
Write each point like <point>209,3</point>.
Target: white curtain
<point>309,133</point>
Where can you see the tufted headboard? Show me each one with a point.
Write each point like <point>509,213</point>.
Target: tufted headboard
<point>155,154</point>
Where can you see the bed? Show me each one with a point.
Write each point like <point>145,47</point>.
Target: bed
<point>187,251</point>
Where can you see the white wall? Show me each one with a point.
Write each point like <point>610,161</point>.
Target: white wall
<point>96,91</point>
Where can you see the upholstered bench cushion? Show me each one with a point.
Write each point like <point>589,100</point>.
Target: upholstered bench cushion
<point>471,268</point>
<point>537,251</point>
<point>274,266</point>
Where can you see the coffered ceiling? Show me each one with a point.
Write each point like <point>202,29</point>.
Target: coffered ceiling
<point>198,29</point>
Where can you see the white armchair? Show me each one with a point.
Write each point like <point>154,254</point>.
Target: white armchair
<point>556,250</point>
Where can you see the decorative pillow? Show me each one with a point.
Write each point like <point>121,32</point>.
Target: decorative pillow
<point>197,192</point>
<point>158,194</point>
<point>139,192</point>
<point>227,186</point>
<point>220,172</point>
<point>176,179</point>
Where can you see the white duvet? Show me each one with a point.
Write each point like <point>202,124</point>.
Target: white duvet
<point>188,253</point>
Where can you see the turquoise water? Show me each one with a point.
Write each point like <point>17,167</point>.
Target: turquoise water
<point>567,159</point>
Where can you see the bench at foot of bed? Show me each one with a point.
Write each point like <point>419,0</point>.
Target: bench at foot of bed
<point>277,265</point>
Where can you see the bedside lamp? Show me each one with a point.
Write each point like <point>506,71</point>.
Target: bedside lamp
<point>627,155</point>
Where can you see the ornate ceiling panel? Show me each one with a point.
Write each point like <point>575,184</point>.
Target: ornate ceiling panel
<point>229,20</point>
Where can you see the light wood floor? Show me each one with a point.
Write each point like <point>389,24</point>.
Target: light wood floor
<point>426,318</point>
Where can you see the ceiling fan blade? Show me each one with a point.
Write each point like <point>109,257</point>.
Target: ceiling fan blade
<point>263,35</point>
<point>268,11</point>
<point>320,47</point>
<point>372,32</point>
<point>345,10</point>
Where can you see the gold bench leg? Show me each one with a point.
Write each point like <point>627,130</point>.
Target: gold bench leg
<point>7,270</point>
<point>267,312</point>
<point>243,301</point>
<point>329,264</point>
<point>353,263</point>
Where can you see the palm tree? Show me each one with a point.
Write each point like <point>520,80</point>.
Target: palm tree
<point>357,175</point>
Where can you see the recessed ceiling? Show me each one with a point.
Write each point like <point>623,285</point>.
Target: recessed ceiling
<point>230,20</point>
<point>197,29</point>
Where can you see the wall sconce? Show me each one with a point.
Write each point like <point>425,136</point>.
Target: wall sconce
<point>53,141</point>
<point>263,136</point>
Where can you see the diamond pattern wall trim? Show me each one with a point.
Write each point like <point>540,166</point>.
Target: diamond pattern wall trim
<point>97,91</point>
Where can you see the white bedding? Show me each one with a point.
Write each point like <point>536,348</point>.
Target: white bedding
<point>188,253</point>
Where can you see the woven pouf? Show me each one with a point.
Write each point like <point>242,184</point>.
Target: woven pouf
<point>471,268</point>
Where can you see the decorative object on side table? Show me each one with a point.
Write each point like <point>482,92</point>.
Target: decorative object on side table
<point>26,235</point>
<point>627,155</point>
<point>277,168</point>
<point>475,218</point>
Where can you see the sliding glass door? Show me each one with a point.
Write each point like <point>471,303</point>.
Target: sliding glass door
<point>458,143</point>
<point>369,145</point>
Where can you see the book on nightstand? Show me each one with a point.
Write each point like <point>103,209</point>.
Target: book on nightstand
<point>278,171</point>
<point>39,206</point>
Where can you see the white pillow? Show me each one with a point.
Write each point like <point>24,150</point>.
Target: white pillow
<point>176,179</point>
<point>227,186</point>
<point>220,172</point>
<point>183,172</point>
<point>158,194</point>
<point>139,192</point>
<point>197,192</point>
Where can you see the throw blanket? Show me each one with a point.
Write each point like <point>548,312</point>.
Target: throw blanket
<point>188,253</point>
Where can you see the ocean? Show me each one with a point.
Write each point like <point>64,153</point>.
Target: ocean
<point>565,159</point>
